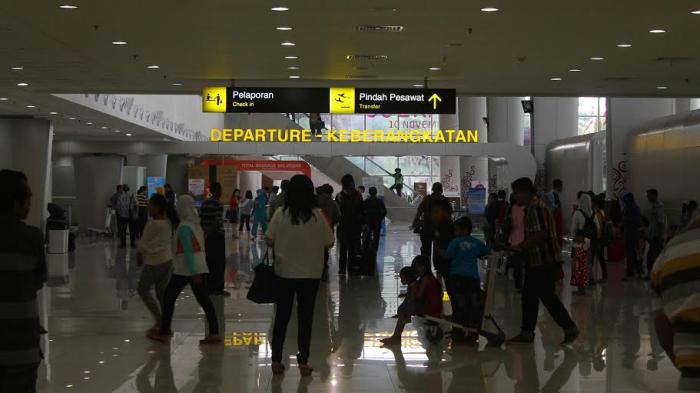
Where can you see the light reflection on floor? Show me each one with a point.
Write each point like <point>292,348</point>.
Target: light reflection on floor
<point>97,323</point>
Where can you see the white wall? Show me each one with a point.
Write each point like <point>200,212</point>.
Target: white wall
<point>624,116</point>
<point>25,145</point>
<point>555,118</point>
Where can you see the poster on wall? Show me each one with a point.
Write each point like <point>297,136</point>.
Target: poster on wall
<point>373,181</point>
<point>420,188</point>
<point>477,199</point>
<point>196,188</point>
<point>449,175</point>
<point>156,185</point>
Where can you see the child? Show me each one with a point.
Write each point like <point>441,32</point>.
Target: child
<point>155,251</point>
<point>424,298</point>
<point>463,282</point>
<point>579,263</point>
<point>444,233</point>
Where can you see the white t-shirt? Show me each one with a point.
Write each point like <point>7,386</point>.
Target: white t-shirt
<point>299,248</point>
<point>155,244</point>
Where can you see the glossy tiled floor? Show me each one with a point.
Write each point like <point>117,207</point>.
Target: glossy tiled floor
<point>96,340</point>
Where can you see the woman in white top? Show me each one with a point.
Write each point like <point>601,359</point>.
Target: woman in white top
<point>155,251</point>
<point>299,234</point>
<point>189,267</point>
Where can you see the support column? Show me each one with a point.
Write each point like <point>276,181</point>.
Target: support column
<point>555,118</point>
<point>624,116</point>
<point>25,145</point>
<point>505,116</point>
<point>96,178</point>
<point>249,181</point>
<point>176,172</point>
<point>156,164</point>
<point>474,171</point>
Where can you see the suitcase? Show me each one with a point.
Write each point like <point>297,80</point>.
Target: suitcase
<point>364,263</point>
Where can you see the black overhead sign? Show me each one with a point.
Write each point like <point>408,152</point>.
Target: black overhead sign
<point>328,100</point>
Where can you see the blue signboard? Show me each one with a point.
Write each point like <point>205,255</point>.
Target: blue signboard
<point>477,199</point>
<point>155,185</point>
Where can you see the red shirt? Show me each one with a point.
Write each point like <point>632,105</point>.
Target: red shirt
<point>233,203</point>
<point>430,290</point>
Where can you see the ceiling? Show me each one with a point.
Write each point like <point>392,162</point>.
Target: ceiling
<point>515,51</point>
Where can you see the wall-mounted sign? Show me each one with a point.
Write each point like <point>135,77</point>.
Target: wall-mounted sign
<point>343,136</point>
<point>323,100</point>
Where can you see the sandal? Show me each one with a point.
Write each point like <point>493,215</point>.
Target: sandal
<point>277,368</point>
<point>305,370</point>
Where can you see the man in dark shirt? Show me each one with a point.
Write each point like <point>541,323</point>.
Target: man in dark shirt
<point>350,227</point>
<point>423,222</point>
<point>444,233</point>
<point>375,211</point>
<point>212,220</point>
<point>22,274</point>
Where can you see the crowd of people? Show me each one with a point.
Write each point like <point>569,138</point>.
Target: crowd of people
<point>182,245</point>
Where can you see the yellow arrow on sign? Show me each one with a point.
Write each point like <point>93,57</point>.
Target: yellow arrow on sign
<point>435,98</point>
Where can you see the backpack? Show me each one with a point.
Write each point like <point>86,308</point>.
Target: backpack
<point>607,236</point>
<point>589,229</point>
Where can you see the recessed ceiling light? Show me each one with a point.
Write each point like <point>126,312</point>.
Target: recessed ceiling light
<point>279,9</point>
<point>291,57</point>
<point>22,84</point>
<point>489,9</point>
<point>624,45</point>
<point>117,131</point>
<point>17,68</point>
<point>89,123</point>
<point>294,77</point>
<point>119,42</point>
<point>661,87</point>
<point>417,85</point>
<point>434,68</point>
<point>53,113</point>
<point>287,43</point>
<point>104,127</point>
<point>153,67</point>
<point>695,12</point>
<point>292,68</point>
<point>594,58</point>
<point>575,70</point>
<point>4,98</point>
<point>31,106</point>
<point>284,28</point>
<point>67,6</point>
<point>128,134</point>
<point>177,84</point>
<point>657,31</point>
<point>555,79</point>
<point>71,118</point>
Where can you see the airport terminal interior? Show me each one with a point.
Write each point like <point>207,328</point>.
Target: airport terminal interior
<point>361,196</point>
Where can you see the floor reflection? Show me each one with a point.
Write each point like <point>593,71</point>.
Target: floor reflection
<point>96,337</point>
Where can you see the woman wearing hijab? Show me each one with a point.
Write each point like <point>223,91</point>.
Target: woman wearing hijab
<point>189,267</point>
<point>259,213</point>
<point>582,231</point>
<point>631,222</point>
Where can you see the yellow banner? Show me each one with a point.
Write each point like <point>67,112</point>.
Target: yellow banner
<point>343,136</point>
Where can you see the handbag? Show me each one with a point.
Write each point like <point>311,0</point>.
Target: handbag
<point>263,288</point>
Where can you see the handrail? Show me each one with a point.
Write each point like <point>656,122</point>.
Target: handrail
<point>388,173</point>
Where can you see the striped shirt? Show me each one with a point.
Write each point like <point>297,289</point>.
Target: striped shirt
<point>676,277</point>
<point>211,215</point>
<point>142,199</point>
<point>538,218</point>
<point>22,274</point>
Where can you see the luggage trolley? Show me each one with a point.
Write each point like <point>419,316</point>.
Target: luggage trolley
<point>494,335</point>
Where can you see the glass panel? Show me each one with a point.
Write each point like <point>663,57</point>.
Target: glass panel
<point>436,166</point>
<point>602,121</point>
<point>347,122</point>
<point>527,133</point>
<point>602,109</point>
<point>375,164</point>
<point>587,124</point>
<point>381,122</point>
<point>588,106</point>
<point>414,165</point>
<point>358,161</point>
